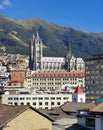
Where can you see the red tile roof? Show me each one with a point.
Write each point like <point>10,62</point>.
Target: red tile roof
<point>16,81</point>
<point>18,69</point>
<point>58,74</point>
<point>78,90</point>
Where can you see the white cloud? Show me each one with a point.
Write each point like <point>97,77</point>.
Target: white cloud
<point>1,6</point>
<point>5,3</point>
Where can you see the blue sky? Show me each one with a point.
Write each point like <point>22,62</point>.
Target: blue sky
<point>86,15</point>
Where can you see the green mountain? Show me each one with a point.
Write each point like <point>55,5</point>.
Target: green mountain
<point>15,36</point>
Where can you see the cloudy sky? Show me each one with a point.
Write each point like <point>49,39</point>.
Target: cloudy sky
<point>86,15</point>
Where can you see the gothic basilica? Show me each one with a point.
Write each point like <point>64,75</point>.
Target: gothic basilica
<point>38,63</point>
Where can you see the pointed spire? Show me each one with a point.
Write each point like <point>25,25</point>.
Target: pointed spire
<point>37,35</point>
<point>78,90</point>
<point>33,37</point>
<point>69,46</point>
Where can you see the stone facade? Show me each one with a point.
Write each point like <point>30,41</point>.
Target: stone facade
<point>39,63</point>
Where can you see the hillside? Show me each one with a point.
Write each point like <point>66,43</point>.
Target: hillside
<point>15,36</point>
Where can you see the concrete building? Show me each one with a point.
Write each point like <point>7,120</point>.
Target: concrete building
<point>23,118</point>
<point>94,78</point>
<point>36,100</point>
<point>55,80</point>
<point>39,63</point>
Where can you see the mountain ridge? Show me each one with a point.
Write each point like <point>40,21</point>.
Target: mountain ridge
<point>15,35</point>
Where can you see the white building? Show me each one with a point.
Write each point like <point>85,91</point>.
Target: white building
<point>55,80</point>
<point>36,100</point>
<point>78,95</point>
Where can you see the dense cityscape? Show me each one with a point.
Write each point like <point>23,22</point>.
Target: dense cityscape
<point>51,65</point>
<point>53,87</point>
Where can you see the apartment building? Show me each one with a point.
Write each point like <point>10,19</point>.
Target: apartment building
<point>94,78</point>
<point>55,80</point>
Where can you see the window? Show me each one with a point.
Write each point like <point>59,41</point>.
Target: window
<point>53,98</point>
<point>52,103</point>
<point>22,103</point>
<point>81,99</point>
<point>21,98</point>
<point>10,98</point>
<point>15,104</point>
<point>46,98</point>
<point>90,122</point>
<point>58,103</point>
<point>10,103</point>
<point>40,103</point>
<point>65,98</point>
<point>28,103</point>
<point>15,98</point>
<point>46,103</point>
<point>40,98</point>
<point>34,98</point>
<point>34,103</point>
<point>28,98</point>
<point>58,98</point>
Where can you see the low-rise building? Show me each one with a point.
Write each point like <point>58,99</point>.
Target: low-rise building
<point>37,100</point>
<point>23,118</point>
<point>97,111</point>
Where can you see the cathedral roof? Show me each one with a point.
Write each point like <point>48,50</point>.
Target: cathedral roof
<point>78,90</point>
<point>53,59</point>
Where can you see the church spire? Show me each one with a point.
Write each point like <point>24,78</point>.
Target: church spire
<point>68,55</point>
<point>69,50</point>
<point>33,37</point>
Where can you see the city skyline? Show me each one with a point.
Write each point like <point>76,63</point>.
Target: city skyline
<point>82,15</point>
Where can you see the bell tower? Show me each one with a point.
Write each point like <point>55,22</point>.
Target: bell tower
<point>68,56</point>
<point>35,55</point>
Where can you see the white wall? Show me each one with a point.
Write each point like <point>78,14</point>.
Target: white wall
<point>98,123</point>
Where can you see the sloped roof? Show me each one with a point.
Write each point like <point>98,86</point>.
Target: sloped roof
<point>98,108</point>
<point>75,106</point>
<point>18,69</point>
<point>78,90</point>
<point>16,81</point>
<point>9,112</point>
<point>58,74</point>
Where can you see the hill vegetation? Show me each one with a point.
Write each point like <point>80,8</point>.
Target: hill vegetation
<point>15,36</point>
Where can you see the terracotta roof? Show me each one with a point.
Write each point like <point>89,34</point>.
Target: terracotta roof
<point>9,112</point>
<point>58,74</point>
<point>16,81</point>
<point>78,90</point>
<point>18,69</point>
<point>74,107</point>
<point>98,108</point>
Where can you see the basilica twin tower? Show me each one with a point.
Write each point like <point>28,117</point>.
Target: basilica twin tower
<point>52,64</point>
